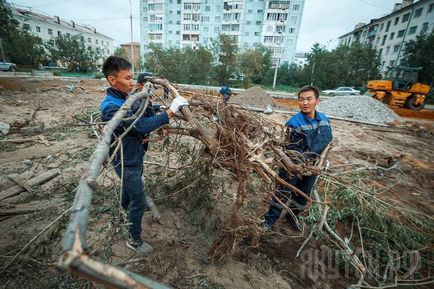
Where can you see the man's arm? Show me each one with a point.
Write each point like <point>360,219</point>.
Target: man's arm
<point>143,126</point>
<point>296,139</point>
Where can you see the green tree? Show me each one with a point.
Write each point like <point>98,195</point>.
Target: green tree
<point>420,53</point>
<point>197,63</point>
<point>225,52</point>
<point>120,52</point>
<point>73,52</point>
<point>344,66</point>
<point>19,45</point>
<point>255,63</point>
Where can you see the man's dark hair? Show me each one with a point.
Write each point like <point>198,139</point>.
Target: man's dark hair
<point>113,64</point>
<point>141,77</point>
<point>309,88</point>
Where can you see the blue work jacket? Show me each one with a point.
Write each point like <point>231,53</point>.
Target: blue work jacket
<point>133,147</point>
<point>307,134</point>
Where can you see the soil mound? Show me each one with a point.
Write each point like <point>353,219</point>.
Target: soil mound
<point>254,96</point>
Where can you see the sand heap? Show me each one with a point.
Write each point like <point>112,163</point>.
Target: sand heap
<point>254,96</point>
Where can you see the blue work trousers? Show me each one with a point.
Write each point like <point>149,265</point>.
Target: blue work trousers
<point>133,198</point>
<point>297,203</point>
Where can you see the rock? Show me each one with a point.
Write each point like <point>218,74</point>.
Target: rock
<point>268,109</point>
<point>33,130</point>
<point>4,128</point>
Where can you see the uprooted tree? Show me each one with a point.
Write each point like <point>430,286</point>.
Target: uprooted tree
<point>235,140</point>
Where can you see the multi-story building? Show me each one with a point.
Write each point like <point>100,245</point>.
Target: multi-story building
<point>47,27</point>
<point>389,33</point>
<point>181,23</point>
<point>126,47</point>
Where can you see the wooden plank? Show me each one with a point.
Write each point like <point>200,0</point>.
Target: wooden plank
<point>20,210</point>
<point>16,190</point>
<point>21,182</point>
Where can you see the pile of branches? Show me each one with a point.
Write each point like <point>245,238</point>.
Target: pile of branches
<point>237,141</point>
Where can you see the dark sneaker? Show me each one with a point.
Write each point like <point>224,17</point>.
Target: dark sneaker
<point>139,247</point>
<point>295,222</point>
<point>265,227</point>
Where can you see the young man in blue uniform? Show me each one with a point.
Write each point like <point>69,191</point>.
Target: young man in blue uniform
<point>309,132</point>
<point>226,92</point>
<point>118,73</point>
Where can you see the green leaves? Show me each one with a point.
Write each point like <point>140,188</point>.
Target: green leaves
<point>419,53</point>
<point>73,52</point>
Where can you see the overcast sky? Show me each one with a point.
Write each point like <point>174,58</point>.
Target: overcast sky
<point>323,20</point>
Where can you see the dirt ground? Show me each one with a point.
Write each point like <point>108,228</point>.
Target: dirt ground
<point>56,109</point>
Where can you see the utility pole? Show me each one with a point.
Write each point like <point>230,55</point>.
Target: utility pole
<point>131,44</point>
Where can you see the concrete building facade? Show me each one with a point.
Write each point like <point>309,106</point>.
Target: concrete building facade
<point>389,33</point>
<point>181,23</point>
<point>126,47</point>
<point>47,27</point>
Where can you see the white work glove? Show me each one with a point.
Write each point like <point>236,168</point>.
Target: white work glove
<point>177,103</point>
<point>163,107</point>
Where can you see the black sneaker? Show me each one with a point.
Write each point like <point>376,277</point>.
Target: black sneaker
<point>295,222</point>
<point>139,247</point>
<point>265,227</point>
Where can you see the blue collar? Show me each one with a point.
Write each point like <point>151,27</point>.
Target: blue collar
<point>116,93</point>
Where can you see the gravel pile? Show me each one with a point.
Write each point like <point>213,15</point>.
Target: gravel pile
<point>358,107</point>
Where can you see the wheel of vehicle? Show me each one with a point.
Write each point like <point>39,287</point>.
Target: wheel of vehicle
<point>12,69</point>
<point>411,103</point>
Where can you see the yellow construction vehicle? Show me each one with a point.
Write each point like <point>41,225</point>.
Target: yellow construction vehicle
<point>400,88</point>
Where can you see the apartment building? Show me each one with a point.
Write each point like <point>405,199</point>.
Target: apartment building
<point>47,27</point>
<point>181,23</point>
<point>389,33</point>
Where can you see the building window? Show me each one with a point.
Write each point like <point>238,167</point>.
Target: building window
<point>418,12</point>
<point>257,34</point>
<point>395,49</point>
<point>424,27</point>
<point>89,40</point>
<point>38,29</point>
<point>96,41</point>
<point>248,22</point>
<point>400,33</point>
<point>26,27</point>
<point>387,50</point>
<point>296,7</point>
<point>380,51</point>
<point>291,30</point>
<point>249,11</point>
<point>216,29</point>
<point>405,17</point>
<point>50,32</point>
<point>218,19</point>
<point>205,19</point>
<point>388,25</point>
<point>430,8</point>
<point>187,6</point>
<point>384,39</point>
<point>392,35</point>
<point>178,12</point>
<point>260,11</point>
<point>396,20</point>
<point>206,29</point>
<point>258,22</point>
<point>412,30</point>
<point>178,32</point>
<point>247,33</point>
<point>381,26</point>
